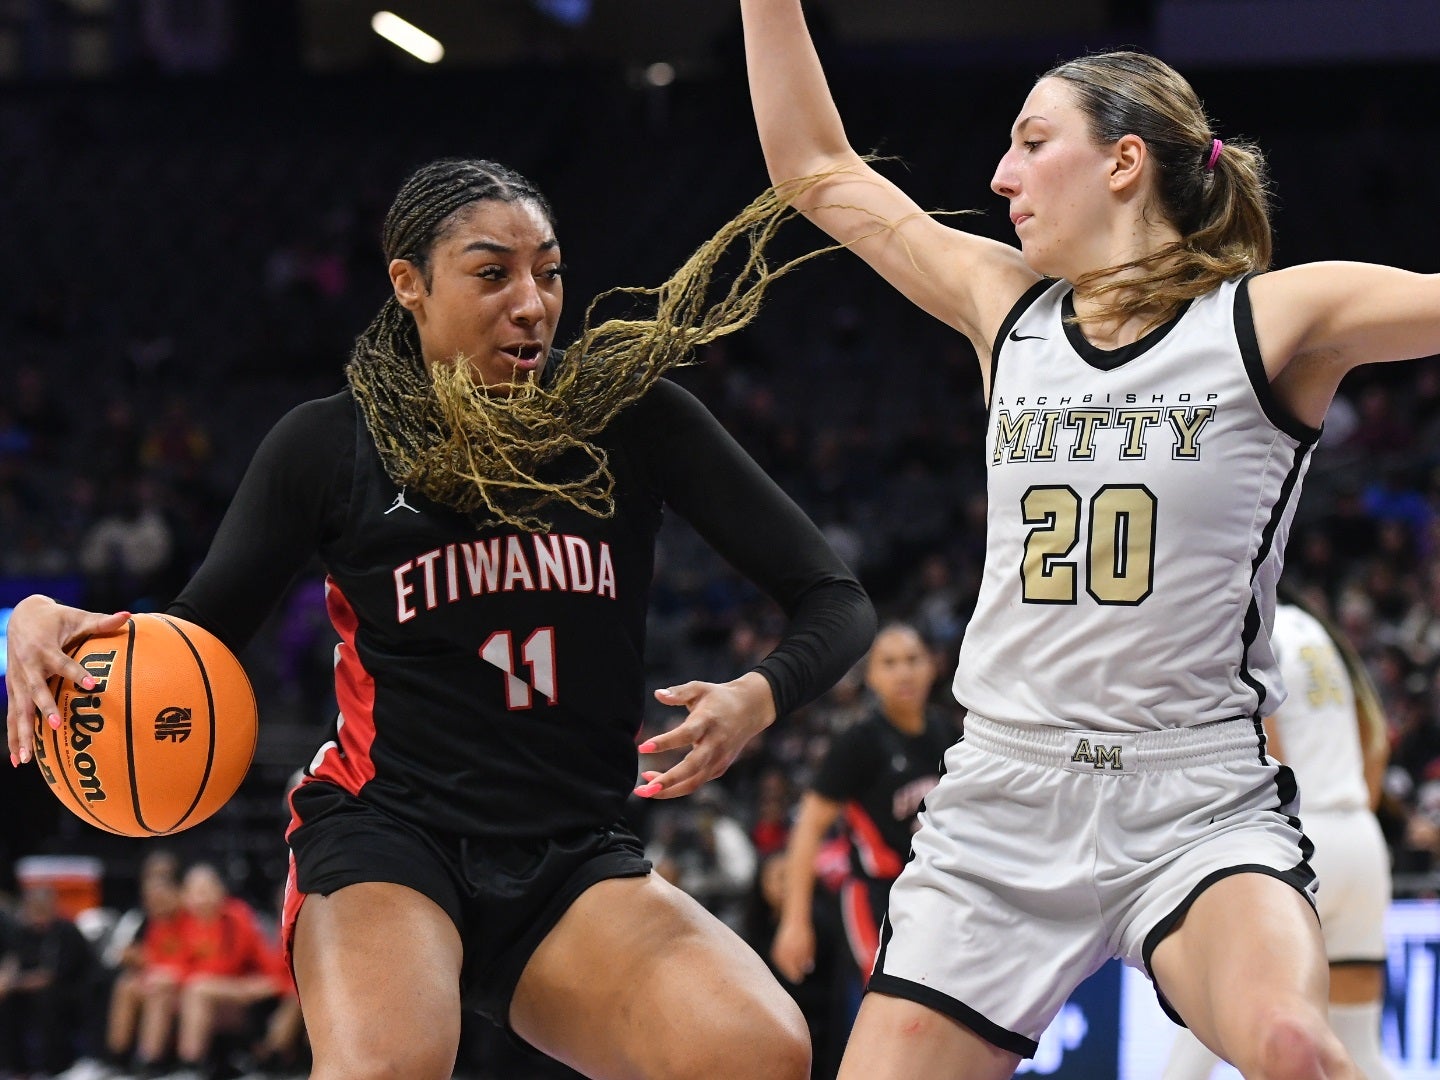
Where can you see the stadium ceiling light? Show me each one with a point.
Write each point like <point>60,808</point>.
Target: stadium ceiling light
<point>407,36</point>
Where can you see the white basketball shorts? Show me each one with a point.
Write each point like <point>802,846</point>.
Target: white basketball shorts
<point>1043,852</point>
<point>1353,865</point>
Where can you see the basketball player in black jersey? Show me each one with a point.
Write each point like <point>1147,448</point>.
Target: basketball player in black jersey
<point>486,512</point>
<point>876,774</point>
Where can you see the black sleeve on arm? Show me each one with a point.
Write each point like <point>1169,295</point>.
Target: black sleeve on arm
<point>294,494</point>
<point>716,486</point>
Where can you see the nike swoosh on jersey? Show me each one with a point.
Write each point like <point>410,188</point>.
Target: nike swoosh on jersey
<point>1026,337</point>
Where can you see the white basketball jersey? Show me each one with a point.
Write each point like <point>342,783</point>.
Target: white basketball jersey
<point>1139,503</point>
<point>1319,735</point>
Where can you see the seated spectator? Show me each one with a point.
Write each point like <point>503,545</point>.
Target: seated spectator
<point>147,950</point>
<point>231,964</point>
<point>47,971</point>
<point>124,945</point>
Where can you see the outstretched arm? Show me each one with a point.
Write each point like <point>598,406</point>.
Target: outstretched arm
<point>965,281</point>
<point>1317,321</point>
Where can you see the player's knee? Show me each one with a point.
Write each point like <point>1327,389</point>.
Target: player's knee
<point>398,1061</point>
<point>785,1047</point>
<point>765,1039</point>
<point>1295,1044</point>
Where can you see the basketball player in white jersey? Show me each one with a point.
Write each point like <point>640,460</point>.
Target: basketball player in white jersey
<point>1152,410</point>
<point>1332,732</point>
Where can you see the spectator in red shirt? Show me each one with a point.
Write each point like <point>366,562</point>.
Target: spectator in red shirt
<point>231,964</point>
<point>144,999</point>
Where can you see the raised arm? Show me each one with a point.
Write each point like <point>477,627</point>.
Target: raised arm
<point>965,281</point>
<point>1318,321</point>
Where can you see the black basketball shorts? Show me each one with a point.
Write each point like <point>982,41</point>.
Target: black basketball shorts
<point>503,895</point>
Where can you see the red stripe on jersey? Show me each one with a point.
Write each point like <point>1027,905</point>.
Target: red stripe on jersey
<point>877,858</point>
<point>861,930</point>
<point>347,762</point>
<point>289,912</point>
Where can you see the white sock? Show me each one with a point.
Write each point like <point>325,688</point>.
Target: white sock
<point>1190,1059</point>
<point>1358,1027</point>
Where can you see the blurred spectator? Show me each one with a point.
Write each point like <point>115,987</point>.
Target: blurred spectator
<point>771,827</point>
<point>176,443</point>
<point>15,440</point>
<point>34,553</point>
<point>1349,526</point>
<point>700,847</point>
<point>38,413</point>
<point>113,448</point>
<point>938,605</point>
<point>1419,631</point>
<point>1382,430</point>
<point>127,548</point>
<point>231,964</point>
<point>145,995</point>
<point>149,357</point>
<point>45,981</point>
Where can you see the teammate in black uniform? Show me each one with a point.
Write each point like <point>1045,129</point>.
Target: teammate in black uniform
<point>488,532</point>
<point>876,774</point>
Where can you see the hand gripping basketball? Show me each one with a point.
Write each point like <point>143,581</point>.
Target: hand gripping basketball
<point>152,727</point>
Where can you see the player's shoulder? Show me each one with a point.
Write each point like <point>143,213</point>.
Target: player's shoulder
<point>666,394</point>
<point>664,412</point>
<point>337,407</point>
<point>312,424</point>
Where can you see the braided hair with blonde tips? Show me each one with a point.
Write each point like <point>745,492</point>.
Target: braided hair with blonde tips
<point>493,455</point>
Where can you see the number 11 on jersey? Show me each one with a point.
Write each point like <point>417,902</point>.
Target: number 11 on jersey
<point>537,653</point>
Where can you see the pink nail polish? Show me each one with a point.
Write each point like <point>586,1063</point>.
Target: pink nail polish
<point>14,762</point>
<point>24,755</point>
<point>647,747</point>
<point>54,721</point>
<point>88,682</point>
<point>647,790</point>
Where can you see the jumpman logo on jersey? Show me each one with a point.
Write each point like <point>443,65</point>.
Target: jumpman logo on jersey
<point>399,502</point>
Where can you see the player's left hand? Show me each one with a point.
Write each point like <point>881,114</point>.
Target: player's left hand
<point>722,718</point>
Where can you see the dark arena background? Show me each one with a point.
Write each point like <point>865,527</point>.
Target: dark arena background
<point>190,198</point>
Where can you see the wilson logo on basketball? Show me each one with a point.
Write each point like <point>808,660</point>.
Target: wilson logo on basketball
<point>86,722</point>
<point>172,724</point>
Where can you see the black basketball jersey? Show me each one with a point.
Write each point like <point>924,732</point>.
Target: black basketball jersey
<point>490,681</point>
<point>882,775</point>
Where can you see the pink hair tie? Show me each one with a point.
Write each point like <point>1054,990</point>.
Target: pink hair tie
<point>1215,147</point>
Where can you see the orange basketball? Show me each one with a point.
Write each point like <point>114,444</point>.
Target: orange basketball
<point>164,738</point>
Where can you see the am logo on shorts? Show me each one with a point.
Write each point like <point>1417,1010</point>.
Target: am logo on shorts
<point>1098,755</point>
